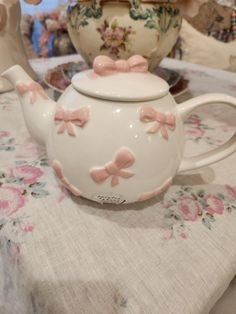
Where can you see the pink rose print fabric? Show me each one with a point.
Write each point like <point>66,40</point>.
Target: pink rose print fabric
<point>215,205</point>
<point>4,134</point>
<point>23,178</point>
<point>187,205</point>
<point>29,174</point>
<point>200,128</point>
<point>189,208</point>
<point>11,200</point>
<point>231,191</point>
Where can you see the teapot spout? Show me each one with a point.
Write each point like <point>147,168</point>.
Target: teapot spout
<point>38,109</point>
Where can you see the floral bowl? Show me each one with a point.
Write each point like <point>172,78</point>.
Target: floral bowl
<point>123,29</point>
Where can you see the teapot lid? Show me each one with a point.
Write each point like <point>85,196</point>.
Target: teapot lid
<point>122,80</point>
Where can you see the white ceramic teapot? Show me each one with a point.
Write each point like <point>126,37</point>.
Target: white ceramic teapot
<point>116,134</point>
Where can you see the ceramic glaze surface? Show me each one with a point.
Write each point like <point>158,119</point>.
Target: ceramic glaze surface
<point>123,29</point>
<point>114,127</point>
<point>114,148</point>
<point>121,87</point>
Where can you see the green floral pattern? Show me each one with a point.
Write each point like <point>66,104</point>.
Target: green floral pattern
<point>198,130</point>
<point>79,15</point>
<point>159,17</point>
<point>20,183</point>
<point>6,142</point>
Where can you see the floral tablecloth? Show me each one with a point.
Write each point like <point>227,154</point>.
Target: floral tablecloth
<point>175,255</point>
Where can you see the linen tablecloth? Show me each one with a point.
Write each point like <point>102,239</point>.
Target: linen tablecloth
<point>72,256</point>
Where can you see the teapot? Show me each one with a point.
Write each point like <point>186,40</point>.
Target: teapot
<point>116,134</point>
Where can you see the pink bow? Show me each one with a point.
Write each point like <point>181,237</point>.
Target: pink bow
<point>70,118</point>
<point>148,195</point>
<point>59,172</point>
<point>164,121</point>
<point>104,65</point>
<point>33,88</point>
<point>123,159</point>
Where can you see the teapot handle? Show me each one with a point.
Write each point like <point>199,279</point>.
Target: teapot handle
<point>222,151</point>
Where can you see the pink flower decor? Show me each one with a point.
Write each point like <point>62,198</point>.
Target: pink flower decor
<point>195,131</point>
<point>27,227</point>
<point>29,173</point>
<point>231,190</point>
<point>115,38</point>
<point>4,134</point>
<point>193,127</point>
<point>215,205</point>
<point>189,208</point>
<point>11,199</point>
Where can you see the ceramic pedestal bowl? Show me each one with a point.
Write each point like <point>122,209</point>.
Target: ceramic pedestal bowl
<point>122,29</point>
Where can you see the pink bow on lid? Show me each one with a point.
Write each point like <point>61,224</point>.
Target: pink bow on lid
<point>104,65</point>
<point>33,88</point>
<point>164,121</point>
<point>114,169</point>
<point>68,118</point>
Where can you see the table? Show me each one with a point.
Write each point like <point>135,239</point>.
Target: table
<point>62,255</point>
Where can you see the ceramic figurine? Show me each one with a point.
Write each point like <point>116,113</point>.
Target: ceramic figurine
<point>11,46</point>
<point>116,134</point>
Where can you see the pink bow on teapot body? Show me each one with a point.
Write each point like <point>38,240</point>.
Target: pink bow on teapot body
<point>114,169</point>
<point>33,88</point>
<point>68,118</point>
<point>59,172</point>
<point>148,195</point>
<point>163,120</point>
<point>104,65</point>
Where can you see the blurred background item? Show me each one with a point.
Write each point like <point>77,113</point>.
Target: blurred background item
<point>11,46</point>
<point>206,38</point>
<point>215,20</point>
<point>209,38</point>
<point>46,30</point>
<point>54,39</point>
